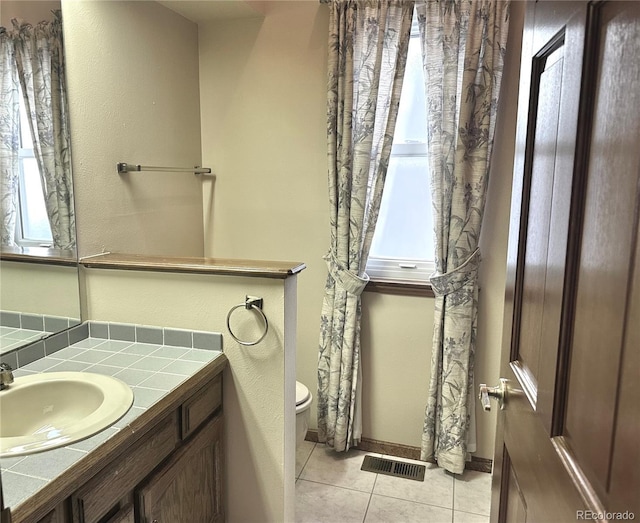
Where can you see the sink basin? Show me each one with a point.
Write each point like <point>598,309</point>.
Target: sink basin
<point>49,410</point>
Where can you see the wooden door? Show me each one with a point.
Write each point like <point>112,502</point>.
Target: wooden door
<point>566,446</point>
<point>188,488</point>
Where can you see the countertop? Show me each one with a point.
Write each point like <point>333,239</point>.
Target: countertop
<point>151,370</point>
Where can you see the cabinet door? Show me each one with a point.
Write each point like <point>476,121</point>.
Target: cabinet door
<point>124,515</point>
<point>188,488</point>
<point>97,497</point>
<point>57,515</point>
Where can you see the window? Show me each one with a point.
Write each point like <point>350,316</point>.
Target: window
<point>32,224</point>
<point>403,243</point>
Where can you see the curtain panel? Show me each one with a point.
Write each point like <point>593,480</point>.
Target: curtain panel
<point>9,139</point>
<point>39,58</point>
<point>368,42</point>
<point>463,46</point>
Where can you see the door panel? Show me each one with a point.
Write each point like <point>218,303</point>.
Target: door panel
<point>546,86</point>
<point>516,508</point>
<point>566,441</point>
<point>607,240</point>
<point>625,473</point>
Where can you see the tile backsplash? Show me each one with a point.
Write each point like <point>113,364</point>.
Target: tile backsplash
<point>114,331</point>
<point>19,328</point>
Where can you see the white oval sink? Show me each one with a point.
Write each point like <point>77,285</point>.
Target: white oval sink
<point>49,410</point>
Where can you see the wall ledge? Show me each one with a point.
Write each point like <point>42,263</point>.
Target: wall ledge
<point>39,255</point>
<point>195,265</point>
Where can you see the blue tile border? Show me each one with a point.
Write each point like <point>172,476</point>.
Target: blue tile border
<point>56,342</point>
<point>207,341</point>
<point>98,329</point>
<point>34,322</point>
<point>149,335</point>
<point>120,331</point>
<point>30,353</point>
<point>55,324</point>
<point>10,319</point>
<point>10,358</point>
<point>38,322</point>
<point>157,335</point>
<point>178,338</point>
<point>114,331</point>
<point>79,332</point>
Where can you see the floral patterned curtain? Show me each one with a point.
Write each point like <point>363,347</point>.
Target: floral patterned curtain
<point>368,42</point>
<point>40,62</point>
<point>9,139</point>
<point>463,46</point>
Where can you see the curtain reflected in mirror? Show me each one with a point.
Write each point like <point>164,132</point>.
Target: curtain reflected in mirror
<point>35,160</point>
<point>39,294</point>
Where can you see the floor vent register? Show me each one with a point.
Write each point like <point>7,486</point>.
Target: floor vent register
<point>391,467</point>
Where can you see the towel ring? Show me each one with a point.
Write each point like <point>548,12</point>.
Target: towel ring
<point>250,302</point>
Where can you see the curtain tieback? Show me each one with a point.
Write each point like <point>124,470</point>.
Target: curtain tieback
<point>453,280</point>
<point>345,278</point>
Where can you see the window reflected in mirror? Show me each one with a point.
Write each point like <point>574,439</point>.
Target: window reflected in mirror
<point>39,294</point>
<point>32,223</point>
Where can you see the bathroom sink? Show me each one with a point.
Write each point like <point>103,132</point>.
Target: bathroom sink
<point>49,410</point>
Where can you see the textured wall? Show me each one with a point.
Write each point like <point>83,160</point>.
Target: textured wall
<point>50,290</point>
<point>132,70</point>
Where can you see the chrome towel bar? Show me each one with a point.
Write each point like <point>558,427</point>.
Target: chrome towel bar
<point>124,167</point>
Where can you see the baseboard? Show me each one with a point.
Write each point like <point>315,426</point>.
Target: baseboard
<point>405,451</point>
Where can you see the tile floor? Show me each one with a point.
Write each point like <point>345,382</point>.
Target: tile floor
<point>330,487</point>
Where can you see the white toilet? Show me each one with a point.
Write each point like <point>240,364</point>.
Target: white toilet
<point>303,404</point>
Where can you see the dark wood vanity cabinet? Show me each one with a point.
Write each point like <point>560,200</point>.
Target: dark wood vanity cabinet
<point>172,474</point>
<point>188,487</point>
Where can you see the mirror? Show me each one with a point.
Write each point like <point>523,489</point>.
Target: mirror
<point>39,292</point>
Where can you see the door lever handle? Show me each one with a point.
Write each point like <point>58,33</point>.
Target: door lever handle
<point>499,392</point>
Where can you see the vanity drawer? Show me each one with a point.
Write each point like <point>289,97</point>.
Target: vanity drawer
<point>95,498</point>
<point>201,405</point>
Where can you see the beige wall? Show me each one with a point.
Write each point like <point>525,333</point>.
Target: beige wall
<point>132,70</point>
<point>495,233</point>
<point>263,126</point>
<point>263,89</point>
<point>50,290</point>
<point>31,11</point>
<point>259,382</point>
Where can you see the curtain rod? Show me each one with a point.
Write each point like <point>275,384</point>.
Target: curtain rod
<point>130,167</point>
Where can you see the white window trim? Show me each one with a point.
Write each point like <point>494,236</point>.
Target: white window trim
<point>24,154</point>
<point>409,149</point>
<point>401,270</point>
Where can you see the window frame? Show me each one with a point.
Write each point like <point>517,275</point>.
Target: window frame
<point>26,153</point>
<point>395,275</point>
